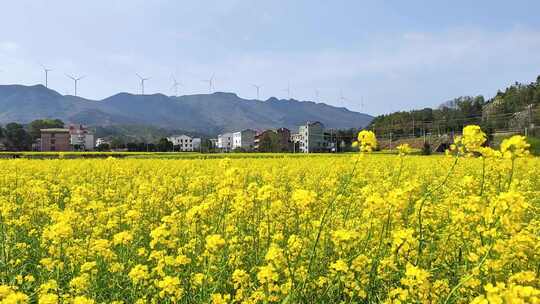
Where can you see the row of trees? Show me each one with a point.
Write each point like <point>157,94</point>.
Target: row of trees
<point>18,137</point>
<point>494,113</point>
<point>163,145</point>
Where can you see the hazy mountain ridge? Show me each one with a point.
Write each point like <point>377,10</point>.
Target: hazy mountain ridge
<point>205,113</point>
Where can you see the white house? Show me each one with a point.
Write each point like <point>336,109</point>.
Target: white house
<point>81,138</point>
<point>185,143</point>
<point>244,139</point>
<point>102,141</point>
<point>224,141</point>
<point>311,137</point>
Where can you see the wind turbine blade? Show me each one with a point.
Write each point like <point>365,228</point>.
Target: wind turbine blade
<point>139,76</point>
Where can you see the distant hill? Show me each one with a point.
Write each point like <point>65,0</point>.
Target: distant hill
<point>202,113</point>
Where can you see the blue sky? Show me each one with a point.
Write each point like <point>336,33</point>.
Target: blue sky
<point>393,55</point>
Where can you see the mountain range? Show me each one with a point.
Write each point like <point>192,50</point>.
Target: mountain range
<point>202,113</point>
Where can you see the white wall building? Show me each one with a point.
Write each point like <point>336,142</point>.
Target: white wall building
<point>311,138</point>
<point>185,143</point>
<point>244,139</point>
<point>81,138</point>
<point>224,141</point>
<point>102,141</point>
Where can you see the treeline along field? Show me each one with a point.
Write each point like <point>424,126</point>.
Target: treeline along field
<point>350,229</point>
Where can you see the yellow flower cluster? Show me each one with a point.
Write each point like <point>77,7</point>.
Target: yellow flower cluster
<point>404,149</point>
<point>416,229</point>
<point>515,146</point>
<point>367,141</point>
<point>471,141</point>
<point>473,138</point>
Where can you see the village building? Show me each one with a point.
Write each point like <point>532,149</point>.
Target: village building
<point>225,142</point>
<point>81,139</point>
<point>312,138</point>
<point>55,139</point>
<point>244,140</point>
<point>185,143</point>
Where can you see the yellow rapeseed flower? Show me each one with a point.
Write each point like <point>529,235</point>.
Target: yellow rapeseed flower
<point>515,146</point>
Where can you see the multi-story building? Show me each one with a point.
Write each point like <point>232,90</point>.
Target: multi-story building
<point>81,139</point>
<point>296,137</point>
<point>295,140</point>
<point>55,139</point>
<point>312,138</point>
<point>185,143</point>
<point>225,141</point>
<point>244,140</point>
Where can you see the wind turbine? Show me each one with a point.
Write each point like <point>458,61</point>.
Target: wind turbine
<point>317,95</point>
<point>342,98</point>
<point>175,86</point>
<point>258,88</point>
<point>210,83</point>
<point>46,75</point>
<point>142,82</point>
<point>75,80</point>
<point>288,90</point>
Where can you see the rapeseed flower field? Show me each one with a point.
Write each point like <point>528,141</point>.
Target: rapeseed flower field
<point>362,228</point>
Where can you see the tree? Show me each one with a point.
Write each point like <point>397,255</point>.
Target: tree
<point>117,143</point>
<point>207,146</point>
<point>132,147</point>
<point>164,145</point>
<point>103,147</point>
<point>269,142</point>
<point>17,138</point>
<point>34,128</point>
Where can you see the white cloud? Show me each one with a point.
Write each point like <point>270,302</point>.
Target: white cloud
<point>393,72</point>
<point>390,72</point>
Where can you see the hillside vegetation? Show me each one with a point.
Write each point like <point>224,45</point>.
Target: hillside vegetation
<point>199,113</point>
<point>516,107</point>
